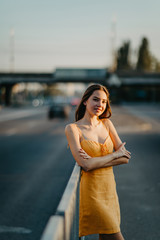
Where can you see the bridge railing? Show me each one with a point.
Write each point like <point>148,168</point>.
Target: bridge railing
<point>64,225</point>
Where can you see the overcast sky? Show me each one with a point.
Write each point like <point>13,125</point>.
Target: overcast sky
<point>69,33</point>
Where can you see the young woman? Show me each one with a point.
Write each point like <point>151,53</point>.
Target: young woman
<point>92,139</point>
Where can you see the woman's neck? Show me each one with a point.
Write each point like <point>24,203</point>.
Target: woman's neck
<point>93,121</point>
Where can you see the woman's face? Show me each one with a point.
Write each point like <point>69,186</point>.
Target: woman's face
<point>96,103</point>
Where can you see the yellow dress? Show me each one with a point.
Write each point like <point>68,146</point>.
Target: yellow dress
<point>99,211</point>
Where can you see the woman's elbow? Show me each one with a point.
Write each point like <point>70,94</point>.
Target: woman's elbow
<point>86,166</point>
<point>126,161</point>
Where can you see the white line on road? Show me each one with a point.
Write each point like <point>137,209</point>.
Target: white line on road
<point>146,116</point>
<point>137,128</point>
<point>20,114</point>
<point>21,230</point>
<point>11,132</point>
<point>13,116</point>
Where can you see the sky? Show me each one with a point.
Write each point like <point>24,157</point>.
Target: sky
<point>50,34</point>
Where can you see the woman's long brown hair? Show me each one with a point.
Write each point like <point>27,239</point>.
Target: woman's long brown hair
<point>89,91</point>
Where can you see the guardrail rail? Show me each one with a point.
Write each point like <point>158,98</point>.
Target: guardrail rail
<point>64,225</point>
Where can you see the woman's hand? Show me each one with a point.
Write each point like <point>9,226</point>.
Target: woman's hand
<point>83,154</point>
<point>122,152</point>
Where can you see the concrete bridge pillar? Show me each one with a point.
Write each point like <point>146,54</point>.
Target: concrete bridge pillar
<point>8,94</point>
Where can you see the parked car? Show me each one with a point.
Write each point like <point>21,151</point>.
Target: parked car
<point>59,110</point>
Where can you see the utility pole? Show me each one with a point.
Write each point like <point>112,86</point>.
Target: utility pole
<point>113,43</point>
<point>8,90</point>
<point>12,53</point>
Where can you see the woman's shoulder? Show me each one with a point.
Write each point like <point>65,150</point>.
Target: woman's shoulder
<point>74,125</point>
<point>71,127</point>
<point>109,125</point>
<point>107,122</point>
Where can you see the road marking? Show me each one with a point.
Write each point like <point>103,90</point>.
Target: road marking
<point>11,132</point>
<point>144,127</point>
<point>13,116</point>
<point>21,230</point>
<point>20,114</point>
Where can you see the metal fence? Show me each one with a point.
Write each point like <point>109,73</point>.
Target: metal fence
<point>64,225</point>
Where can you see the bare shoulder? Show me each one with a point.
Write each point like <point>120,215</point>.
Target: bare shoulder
<point>108,123</point>
<point>73,136</point>
<point>70,128</point>
<point>113,133</point>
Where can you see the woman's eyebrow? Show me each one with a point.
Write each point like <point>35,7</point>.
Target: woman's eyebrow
<point>99,98</point>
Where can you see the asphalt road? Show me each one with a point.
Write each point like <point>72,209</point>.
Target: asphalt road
<point>138,183</point>
<point>35,166</point>
<point>138,186</point>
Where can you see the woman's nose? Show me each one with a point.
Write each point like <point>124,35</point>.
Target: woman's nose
<point>99,103</point>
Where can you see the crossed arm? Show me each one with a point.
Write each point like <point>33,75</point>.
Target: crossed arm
<point>120,156</point>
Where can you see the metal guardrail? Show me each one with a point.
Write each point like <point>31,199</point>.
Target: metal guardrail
<point>54,229</point>
<point>64,225</point>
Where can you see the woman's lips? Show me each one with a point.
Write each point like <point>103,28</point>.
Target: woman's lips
<point>98,109</point>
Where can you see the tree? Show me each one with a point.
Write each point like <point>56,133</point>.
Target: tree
<point>157,68</point>
<point>123,57</point>
<point>155,65</point>
<point>144,61</point>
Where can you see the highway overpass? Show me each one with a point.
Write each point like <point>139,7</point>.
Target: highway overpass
<point>145,82</point>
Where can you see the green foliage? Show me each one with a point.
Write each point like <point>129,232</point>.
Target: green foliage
<point>157,68</point>
<point>123,57</point>
<point>155,64</point>
<point>144,62</point>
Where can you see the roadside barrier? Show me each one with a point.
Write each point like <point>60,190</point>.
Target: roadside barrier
<point>64,225</point>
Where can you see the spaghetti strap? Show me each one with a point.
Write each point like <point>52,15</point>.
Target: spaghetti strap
<point>105,126</point>
<point>79,130</point>
<point>81,135</point>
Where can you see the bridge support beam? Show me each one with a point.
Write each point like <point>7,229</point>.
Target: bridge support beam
<point>8,94</point>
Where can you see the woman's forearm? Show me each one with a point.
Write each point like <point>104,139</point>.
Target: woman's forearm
<point>105,161</point>
<point>118,161</point>
<point>120,156</point>
<point>98,162</point>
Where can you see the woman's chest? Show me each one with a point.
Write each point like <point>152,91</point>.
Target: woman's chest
<point>96,149</point>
